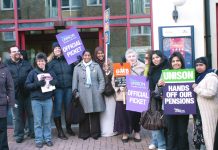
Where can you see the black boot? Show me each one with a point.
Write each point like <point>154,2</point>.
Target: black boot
<point>61,134</point>
<point>69,130</point>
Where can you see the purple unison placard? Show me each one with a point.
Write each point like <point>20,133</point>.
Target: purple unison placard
<point>138,93</point>
<point>179,99</point>
<point>71,44</point>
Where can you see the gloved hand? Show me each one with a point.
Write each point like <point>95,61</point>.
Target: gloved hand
<point>75,93</point>
<point>40,83</point>
<point>52,82</point>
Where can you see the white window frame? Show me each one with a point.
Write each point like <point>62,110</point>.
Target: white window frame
<point>142,33</point>
<point>145,5</point>
<point>12,3</point>
<point>70,7</point>
<point>2,5</point>
<point>5,37</point>
<point>97,3</point>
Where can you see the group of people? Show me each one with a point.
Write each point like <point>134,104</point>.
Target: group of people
<point>102,114</point>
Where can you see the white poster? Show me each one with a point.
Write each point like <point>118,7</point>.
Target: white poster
<point>47,77</point>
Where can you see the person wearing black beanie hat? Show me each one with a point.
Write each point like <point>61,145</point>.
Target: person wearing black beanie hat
<point>63,92</point>
<point>55,44</point>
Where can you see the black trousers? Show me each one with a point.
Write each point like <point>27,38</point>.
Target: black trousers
<point>134,118</point>
<point>90,126</point>
<point>3,134</point>
<point>177,136</point>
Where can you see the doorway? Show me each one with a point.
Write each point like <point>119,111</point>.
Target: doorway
<point>42,42</point>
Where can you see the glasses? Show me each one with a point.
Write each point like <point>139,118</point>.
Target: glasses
<point>15,52</point>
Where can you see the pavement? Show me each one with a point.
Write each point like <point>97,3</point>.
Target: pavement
<point>103,143</point>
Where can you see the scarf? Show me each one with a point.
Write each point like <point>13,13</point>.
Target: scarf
<point>88,72</point>
<point>202,75</point>
<point>146,70</point>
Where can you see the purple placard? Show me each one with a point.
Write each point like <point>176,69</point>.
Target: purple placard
<point>71,44</point>
<point>179,99</point>
<point>138,93</point>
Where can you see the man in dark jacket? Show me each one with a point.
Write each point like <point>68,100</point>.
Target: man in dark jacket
<point>19,70</point>
<point>6,100</point>
<point>63,92</point>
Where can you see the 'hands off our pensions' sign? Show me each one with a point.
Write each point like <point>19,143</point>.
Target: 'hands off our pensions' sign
<point>178,95</point>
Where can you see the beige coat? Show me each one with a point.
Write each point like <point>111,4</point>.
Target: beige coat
<point>137,69</point>
<point>207,97</point>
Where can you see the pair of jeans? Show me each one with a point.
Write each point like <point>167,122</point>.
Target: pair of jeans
<point>22,111</point>
<point>42,111</point>
<point>3,134</point>
<point>177,136</point>
<point>62,95</point>
<point>158,139</point>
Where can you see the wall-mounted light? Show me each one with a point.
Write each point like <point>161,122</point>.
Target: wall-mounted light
<point>175,13</point>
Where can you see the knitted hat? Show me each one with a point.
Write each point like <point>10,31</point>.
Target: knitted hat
<point>55,44</point>
<point>41,55</point>
<point>202,60</point>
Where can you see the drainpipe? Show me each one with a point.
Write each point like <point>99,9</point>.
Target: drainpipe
<point>207,31</point>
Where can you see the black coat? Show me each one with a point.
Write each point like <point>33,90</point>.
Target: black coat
<point>154,76</point>
<point>19,72</point>
<point>7,90</point>
<point>63,71</point>
<point>34,88</point>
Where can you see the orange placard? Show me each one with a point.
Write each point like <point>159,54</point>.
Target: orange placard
<point>121,69</point>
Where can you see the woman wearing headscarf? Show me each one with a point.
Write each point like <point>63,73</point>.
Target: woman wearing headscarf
<point>158,63</point>
<point>89,84</point>
<point>206,88</point>
<point>6,100</point>
<point>99,56</point>
<point>127,122</point>
<point>106,117</point>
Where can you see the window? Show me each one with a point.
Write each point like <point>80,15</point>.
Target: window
<point>141,36</point>
<point>140,31</point>
<point>8,36</point>
<point>51,9</point>
<point>94,2</point>
<point>8,4</point>
<point>140,6</point>
<point>71,4</point>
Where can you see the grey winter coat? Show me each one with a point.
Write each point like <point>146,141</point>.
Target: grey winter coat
<point>91,98</point>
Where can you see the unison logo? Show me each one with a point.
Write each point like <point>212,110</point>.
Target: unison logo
<point>136,83</point>
<point>67,38</point>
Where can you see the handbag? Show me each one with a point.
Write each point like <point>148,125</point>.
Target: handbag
<point>75,112</point>
<point>109,90</point>
<point>153,119</point>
